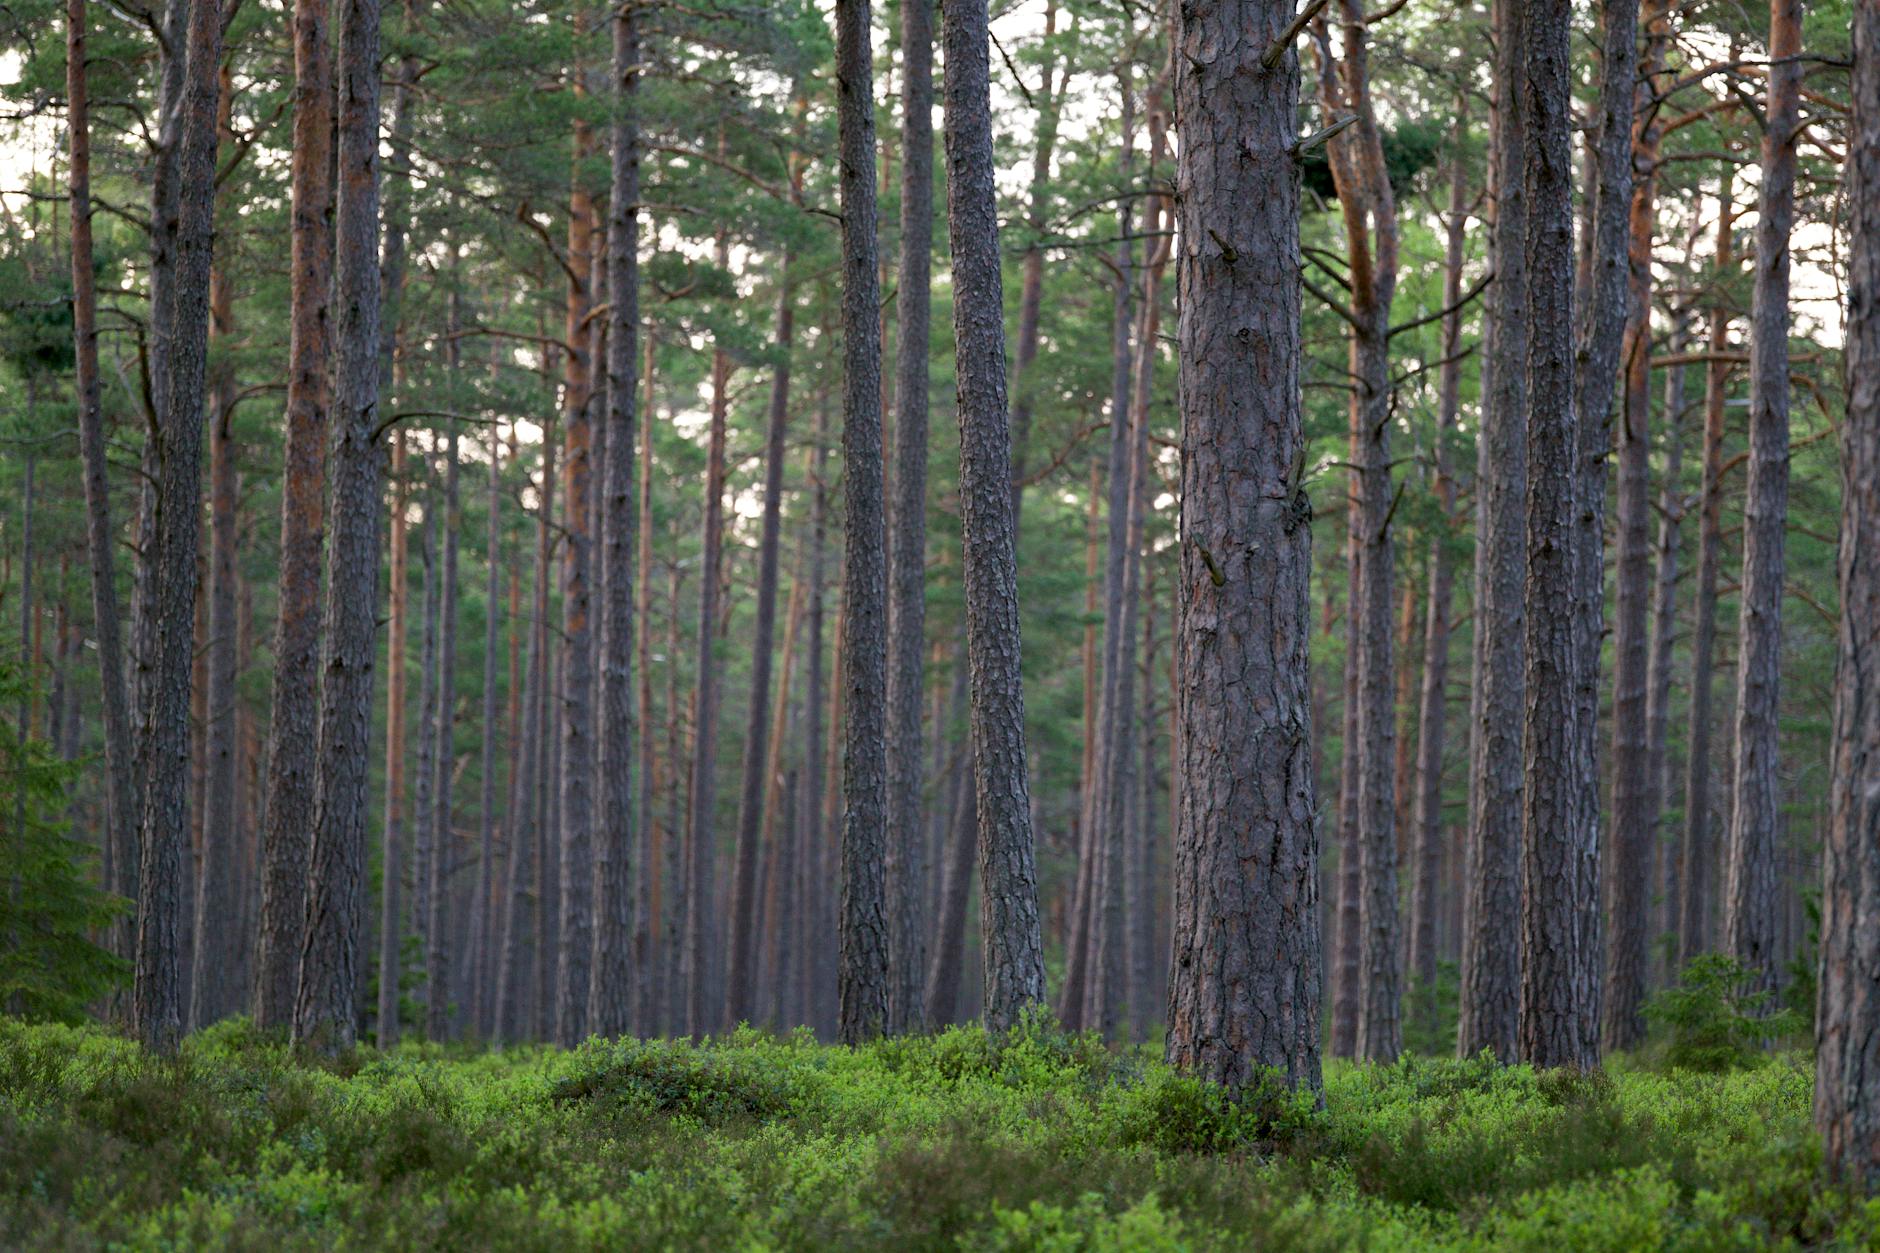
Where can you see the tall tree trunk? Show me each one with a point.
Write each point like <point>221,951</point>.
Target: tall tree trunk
<point>813,939</point>
<point>741,975</point>
<point>576,710</point>
<point>1012,947</point>
<point>907,608</point>
<point>1697,860</point>
<point>658,880</point>
<point>157,992</point>
<point>1349,935</point>
<point>1244,981</point>
<point>1629,885</point>
<point>123,813</point>
<point>436,930</point>
<point>477,955</point>
<point>862,1001</point>
<point>1671,505</point>
<point>618,856</point>
<point>424,800</point>
<point>1847,1017</point>
<point>329,967</point>
<point>391,865</point>
<point>1750,908</point>
<point>1370,217</point>
<point>701,920</point>
<point>213,990</point>
<point>1559,979</point>
<point>294,717</point>
<point>1432,705</point>
<point>1491,963</point>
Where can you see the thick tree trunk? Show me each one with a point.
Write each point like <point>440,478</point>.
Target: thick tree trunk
<point>1244,981</point>
<point>740,974</point>
<point>907,869</point>
<point>1491,964</point>
<point>1629,883</point>
<point>119,837</point>
<point>863,973</point>
<point>157,992</point>
<point>1012,947</point>
<point>293,720</point>
<point>1847,1016</point>
<point>618,856</point>
<point>329,968</point>
<point>1559,979</point>
<point>1750,908</point>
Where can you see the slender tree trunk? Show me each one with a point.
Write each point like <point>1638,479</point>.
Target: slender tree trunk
<point>1011,942</point>
<point>157,993</point>
<point>213,990</point>
<point>436,931</point>
<point>477,956</point>
<point>1559,988</point>
<point>701,921</point>
<point>741,975</point>
<point>391,865</point>
<point>814,937</point>
<point>123,812</point>
<point>1664,627</point>
<point>1031,282</point>
<point>1244,980</point>
<point>1847,1017</point>
<point>1629,885</point>
<point>907,857</point>
<point>1750,908</point>
<point>1432,705</point>
<point>617,856</point>
<point>658,882</point>
<point>293,720</point>
<point>1350,860</point>
<point>863,973</point>
<point>1491,964</point>
<point>329,967</point>
<point>424,801</point>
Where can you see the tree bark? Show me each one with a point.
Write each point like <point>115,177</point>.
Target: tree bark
<point>436,931</point>
<point>1671,506</point>
<point>863,972</point>
<point>294,711</point>
<point>324,1004</point>
<point>1847,1018</point>
<point>1031,281</point>
<point>1244,981</point>
<point>480,968</point>
<point>1012,947</point>
<point>618,856</point>
<point>1559,1023</point>
<point>811,914</point>
<point>391,864</point>
<point>157,991</point>
<point>1750,910</point>
<point>124,812</point>
<point>907,868</point>
<point>424,800</point>
<point>1491,964</point>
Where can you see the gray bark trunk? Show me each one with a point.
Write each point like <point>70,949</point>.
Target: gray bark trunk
<point>1244,979</point>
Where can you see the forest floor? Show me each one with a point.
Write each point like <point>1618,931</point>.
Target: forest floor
<point>956,1141</point>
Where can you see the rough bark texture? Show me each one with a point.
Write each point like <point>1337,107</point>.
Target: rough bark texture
<point>1559,1023</point>
<point>1698,858</point>
<point>293,717</point>
<point>1244,979</point>
<point>907,579</point>
<point>1491,965</point>
<point>1012,947</point>
<point>1750,923</point>
<point>120,835</point>
<point>1847,1016</point>
<point>156,1008</point>
<point>863,973</point>
<point>618,855</point>
<point>1629,883</point>
<point>329,966</point>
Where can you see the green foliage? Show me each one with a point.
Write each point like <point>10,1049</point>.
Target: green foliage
<point>51,910</point>
<point>1715,1019</point>
<point>1035,1140</point>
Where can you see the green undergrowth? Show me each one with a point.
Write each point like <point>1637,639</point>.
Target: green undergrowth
<point>1036,1141</point>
